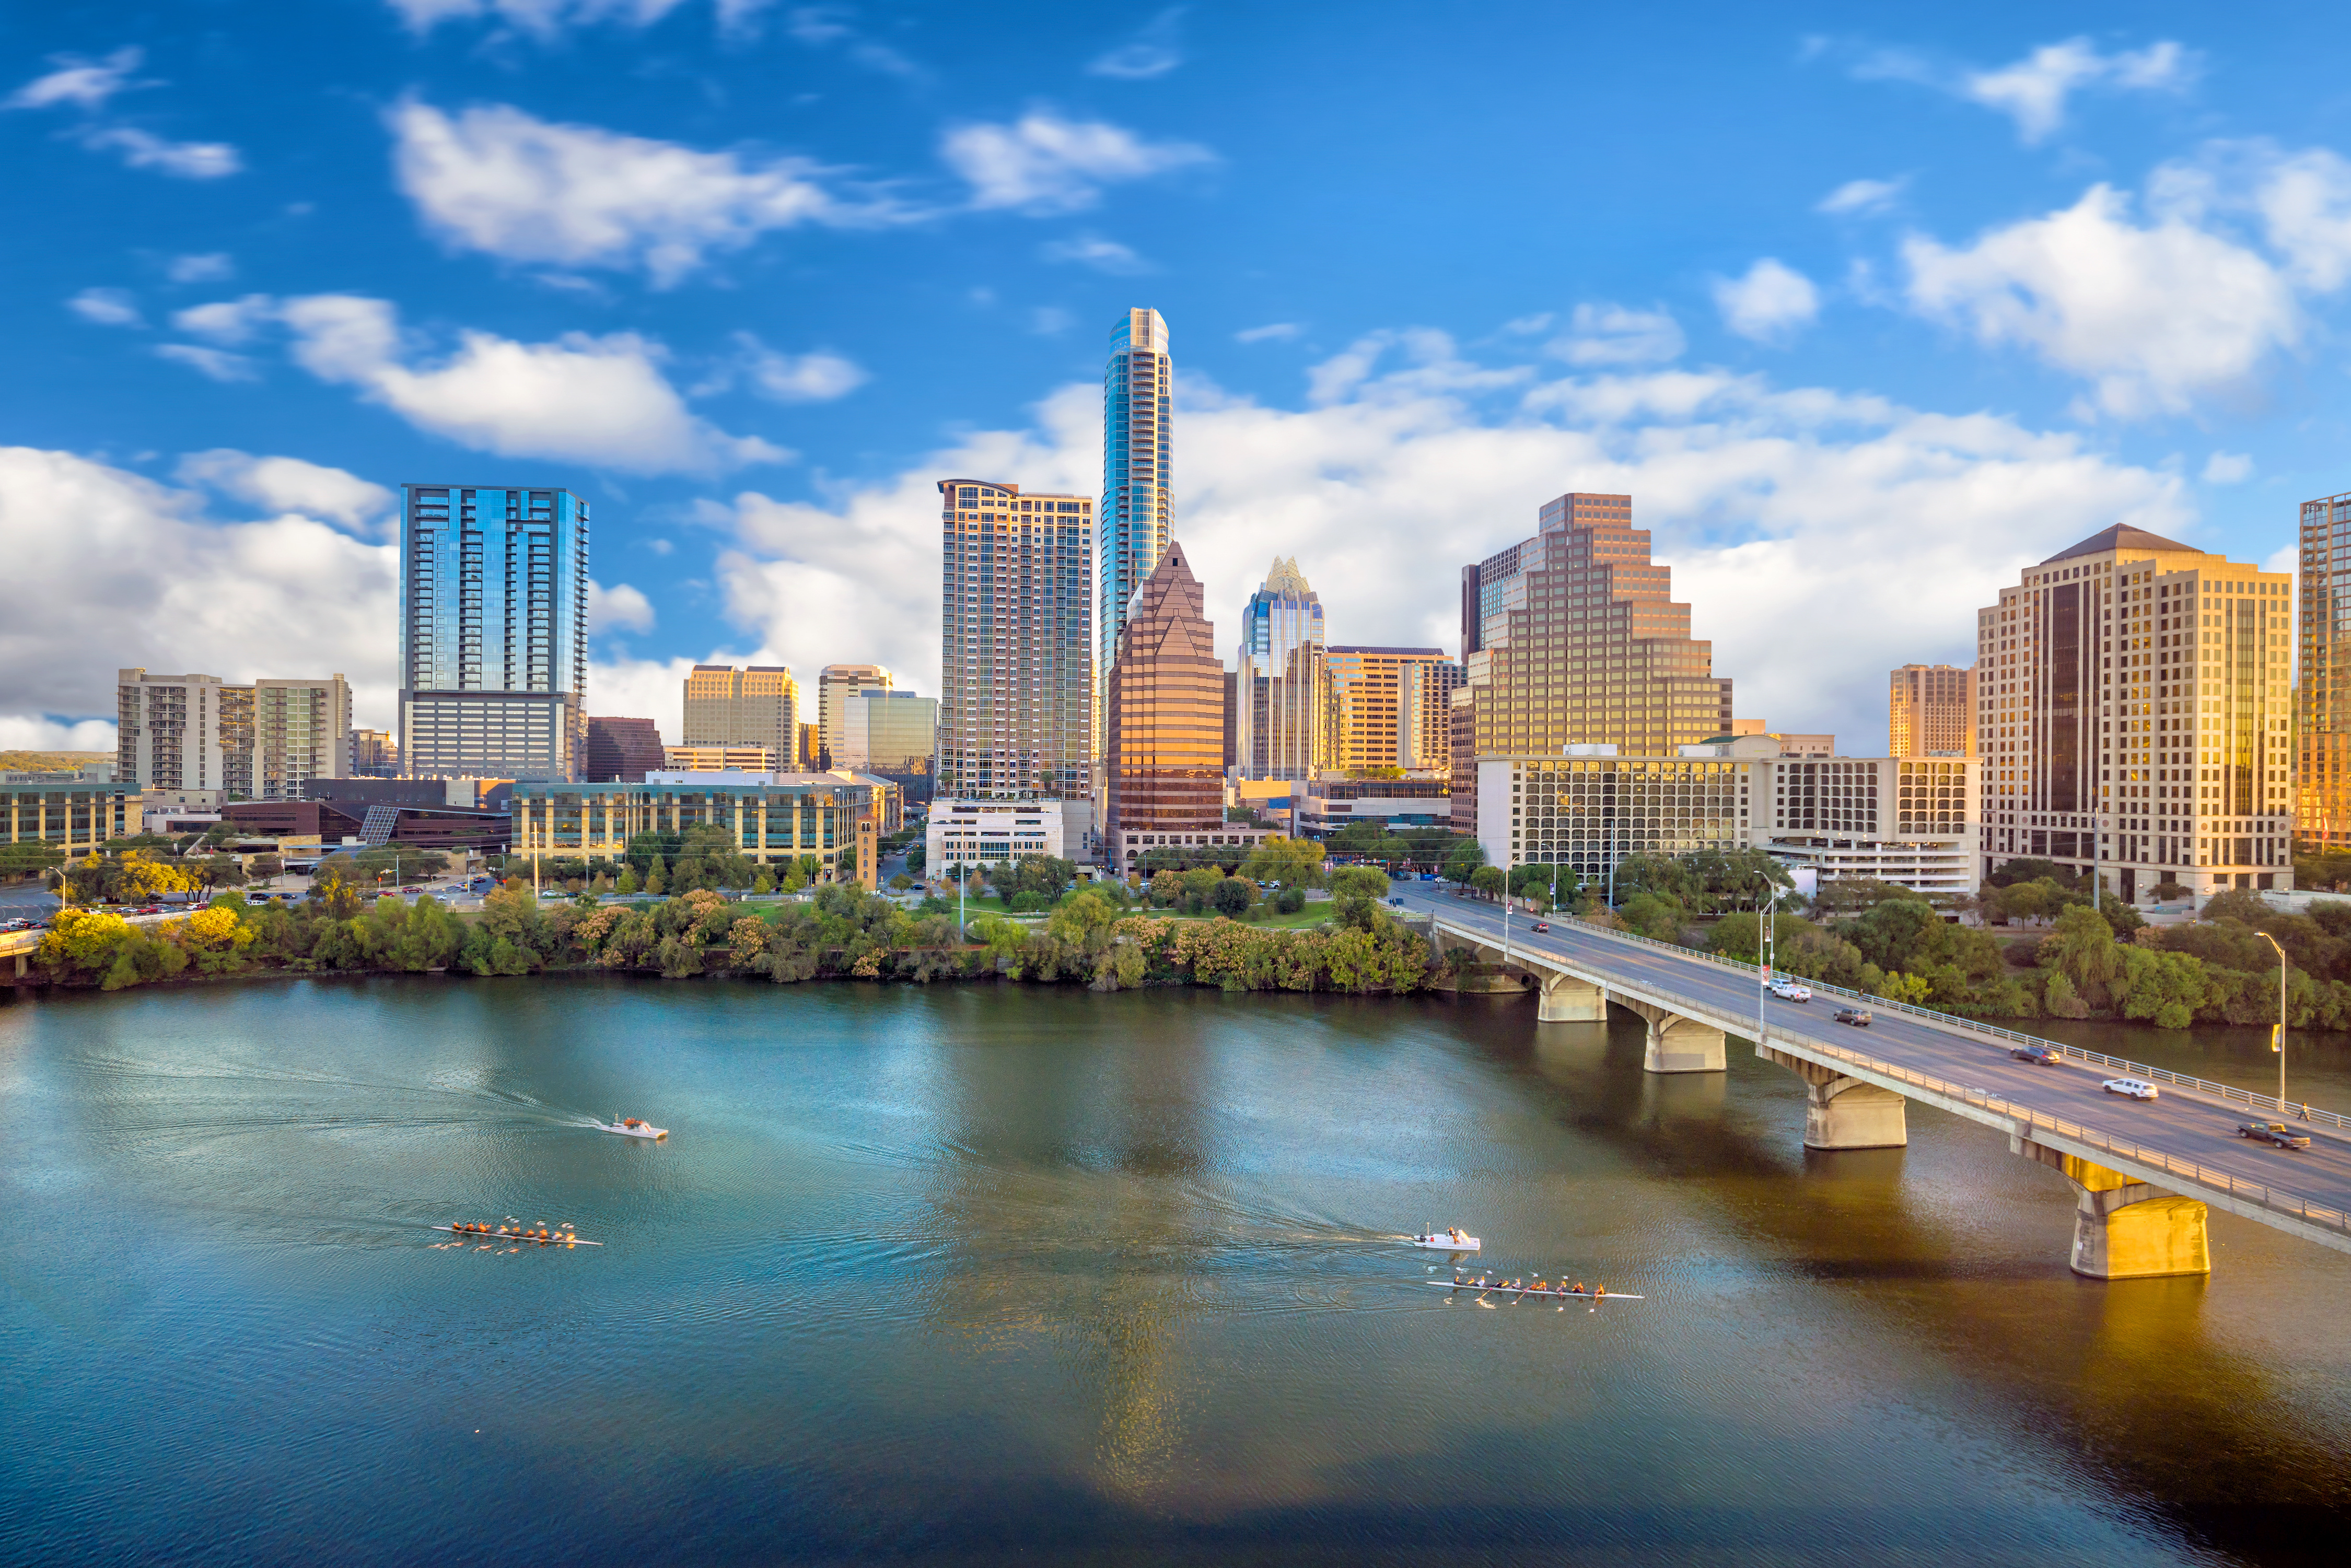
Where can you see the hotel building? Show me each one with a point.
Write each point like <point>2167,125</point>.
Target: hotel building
<point>2135,716</point>
<point>1284,726</point>
<point>769,819</point>
<point>492,632</point>
<point>1394,707</point>
<point>1016,679</point>
<point>758,706</point>
<point>1930,711</point>
<point>2322,804</point>
<point>1571,638</point>
<point>1138,445</point>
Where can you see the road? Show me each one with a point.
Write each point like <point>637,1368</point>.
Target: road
<point>2181,1123</point>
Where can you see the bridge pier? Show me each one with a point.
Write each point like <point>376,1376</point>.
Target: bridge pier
<point>1567,999</point>
<point>1843,1112</point>
<point>2125,1230</point>
<point>1679,1044</point>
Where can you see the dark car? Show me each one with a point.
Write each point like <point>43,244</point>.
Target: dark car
<point>2277,1133</point>
<point>1541,927</point>
<point>1853,1016</point>
<point>2039,1055</point>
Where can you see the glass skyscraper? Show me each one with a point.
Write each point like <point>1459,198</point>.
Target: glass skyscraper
<point>492,632</point>
<point>1282,685</point>
<point>1138,436</point>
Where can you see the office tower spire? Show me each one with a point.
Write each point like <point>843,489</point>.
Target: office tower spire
<point>1284,727</point>
<point>1138,438</point>
<point>1016,677</point>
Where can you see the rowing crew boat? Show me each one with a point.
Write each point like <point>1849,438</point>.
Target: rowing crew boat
<point>552,1238</point>
<point>1518,1290</point>
<point>1440,1241</point>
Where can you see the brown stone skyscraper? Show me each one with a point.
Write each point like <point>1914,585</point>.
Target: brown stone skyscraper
<point>1163,717</point>
<point>1571,639</point>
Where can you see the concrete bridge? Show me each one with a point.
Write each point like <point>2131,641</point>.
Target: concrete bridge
<point>2144,1173</point>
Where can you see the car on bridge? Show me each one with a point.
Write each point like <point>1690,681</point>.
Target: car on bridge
<point>1541,927</point>
<point>2039,1055</point>
<point>1787,991</point>
<point>2277,1133</point>
<point>1857,1017</point>
<point>2135,1088</point>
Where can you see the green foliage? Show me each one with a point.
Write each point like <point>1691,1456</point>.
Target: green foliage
<point>1462,862</point>
<point>28,855</point>
<point>1359,882</point>
<point>1654,915</point>
<point>2009,873</point>
<point>1294,862</point>
<point>1487,879</point>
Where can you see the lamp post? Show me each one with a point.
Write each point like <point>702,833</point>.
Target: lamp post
<point>2277,1034</point>
<point>1763,962</point>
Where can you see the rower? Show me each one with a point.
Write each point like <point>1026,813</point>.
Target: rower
<point>1598,1291</point>
<point>1578,1289</point>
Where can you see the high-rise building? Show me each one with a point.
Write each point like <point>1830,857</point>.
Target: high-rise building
<point>621,750</point>
<point>892,735</point>
<point>1930,711</point>
<point>834,687</point>
<point>2322,808</point>
<point>2134,715</point>
<point>1395,707</point>
<point>301,731</point>
<point>812,748</point>
<point>1138,443</point>
<point>1286,728</point>
<point>1016,677</point>
<point>758,705</point>
<point>1571,638</point>
<point>492,632</point>
<point>375,754</point>
<point>1164,725</point>
<point>182,732</point>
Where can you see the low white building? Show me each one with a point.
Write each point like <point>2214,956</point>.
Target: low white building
<point>1907,820</point>
<point>984,833</point>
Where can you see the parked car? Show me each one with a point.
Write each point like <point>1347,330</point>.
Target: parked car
<point>2039,1055</point>
<point>2277,1133</point>
<point>1787,991</point>
<point>1853,1016</point>
<point>2135,1088</point>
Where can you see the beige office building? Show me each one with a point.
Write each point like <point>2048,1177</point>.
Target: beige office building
<point>302,731</point>
<point>2135,716</point>
<point>835,685</point>
<point>1930,711</point>
<point>757,705</point>
<point>721,758</point>
<point>1394,707</point>
<point>1016,644</point>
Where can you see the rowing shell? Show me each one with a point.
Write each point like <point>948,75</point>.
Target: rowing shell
<point>1512,1290</point>
<point>1444,1243</point>
<point>535,1240</point>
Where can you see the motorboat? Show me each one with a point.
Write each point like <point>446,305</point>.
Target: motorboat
<point>632,1127</point>
<point>1446,1242</point>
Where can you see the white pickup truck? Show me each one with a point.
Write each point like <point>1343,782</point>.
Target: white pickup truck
<point>1788,990</point>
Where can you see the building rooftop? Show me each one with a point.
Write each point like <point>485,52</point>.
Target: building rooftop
<point>2121,535</point>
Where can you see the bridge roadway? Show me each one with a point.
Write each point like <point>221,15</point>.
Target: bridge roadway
<point>2141,1170</point>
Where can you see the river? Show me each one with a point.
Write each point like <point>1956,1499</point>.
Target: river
<point>984,1274</point>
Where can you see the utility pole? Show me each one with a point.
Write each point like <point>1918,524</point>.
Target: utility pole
<point>2277,1034</point>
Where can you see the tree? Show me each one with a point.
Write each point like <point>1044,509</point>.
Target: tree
<point>1232,896</point>
<point>26,856</point>
<point>2016,870</point>
<point>1359,882</point>
<point>1462,862</point>
<point>83,939</point>
<point>1654,915</point>
<point>1294,862</point>
<point>2082,949</point>
<point>1486,879</point>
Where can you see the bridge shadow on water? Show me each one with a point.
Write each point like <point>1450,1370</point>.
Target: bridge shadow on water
<point>2152,1387</point>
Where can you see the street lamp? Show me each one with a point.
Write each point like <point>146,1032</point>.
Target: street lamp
<point>1762,963</point>
<point>2277,1034</point>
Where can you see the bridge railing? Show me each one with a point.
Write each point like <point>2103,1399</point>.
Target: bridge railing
<point>2260,1193</point>
<point>2301,1110</point>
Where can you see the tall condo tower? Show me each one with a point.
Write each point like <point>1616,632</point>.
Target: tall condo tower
<point>492,632</point>
<point>1284,728</point>
<point>2322,810</point>
<point>1016,670</point>
<point>2135,714</point>
<point>1573,637</point>
<point>1138,437</point>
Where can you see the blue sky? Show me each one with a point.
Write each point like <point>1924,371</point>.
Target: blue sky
<point>1864,310</point>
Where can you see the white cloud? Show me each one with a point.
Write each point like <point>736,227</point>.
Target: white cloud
<point>291,484</point>
<point>21,732</point>
<point>143,149</point>
<point>495,179</point>
<point>106,306</point>
<point>1271,332</point>
<point>1102,254</point>
<point>2153,315</point>
<point>83,83</point>
<point>1771,505</point>
<point>1152,52</point>
<point>617,608</point>
<point>1617,335</point>
<point>213,267</point>
<point>601,401</point>
<point>1859,196</point>
<point>542,19</point>
<point>2032,91</point>
<point>157,583</point>
<point>824,26</point>
<point>218,365</point>
<point>1770,304</point>
<point>227,320</point>
<point>1527,326</point>
<point>817,377</point>
<point>1045,163</point>
<point>2227,468</point>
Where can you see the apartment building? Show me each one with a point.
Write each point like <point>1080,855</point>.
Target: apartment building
<point>1016,679</point>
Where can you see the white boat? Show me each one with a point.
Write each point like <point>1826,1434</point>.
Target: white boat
<point>1446,1242</point>
<point>631,1127</point>
<point>1482,1289</point>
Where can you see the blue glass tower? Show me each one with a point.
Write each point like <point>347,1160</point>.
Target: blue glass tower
<point>1138,432</point>
<point>492,632</point>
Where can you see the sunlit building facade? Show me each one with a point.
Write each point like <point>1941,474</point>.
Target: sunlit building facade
<point>1393,707</point>
<point>2322,810</point>
<point>835,685</point>
<point>1285,726</point>
<point>1138,447</point>
<point>758,704</point>
<point>1015,672</point>
<point>1930,711</point>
